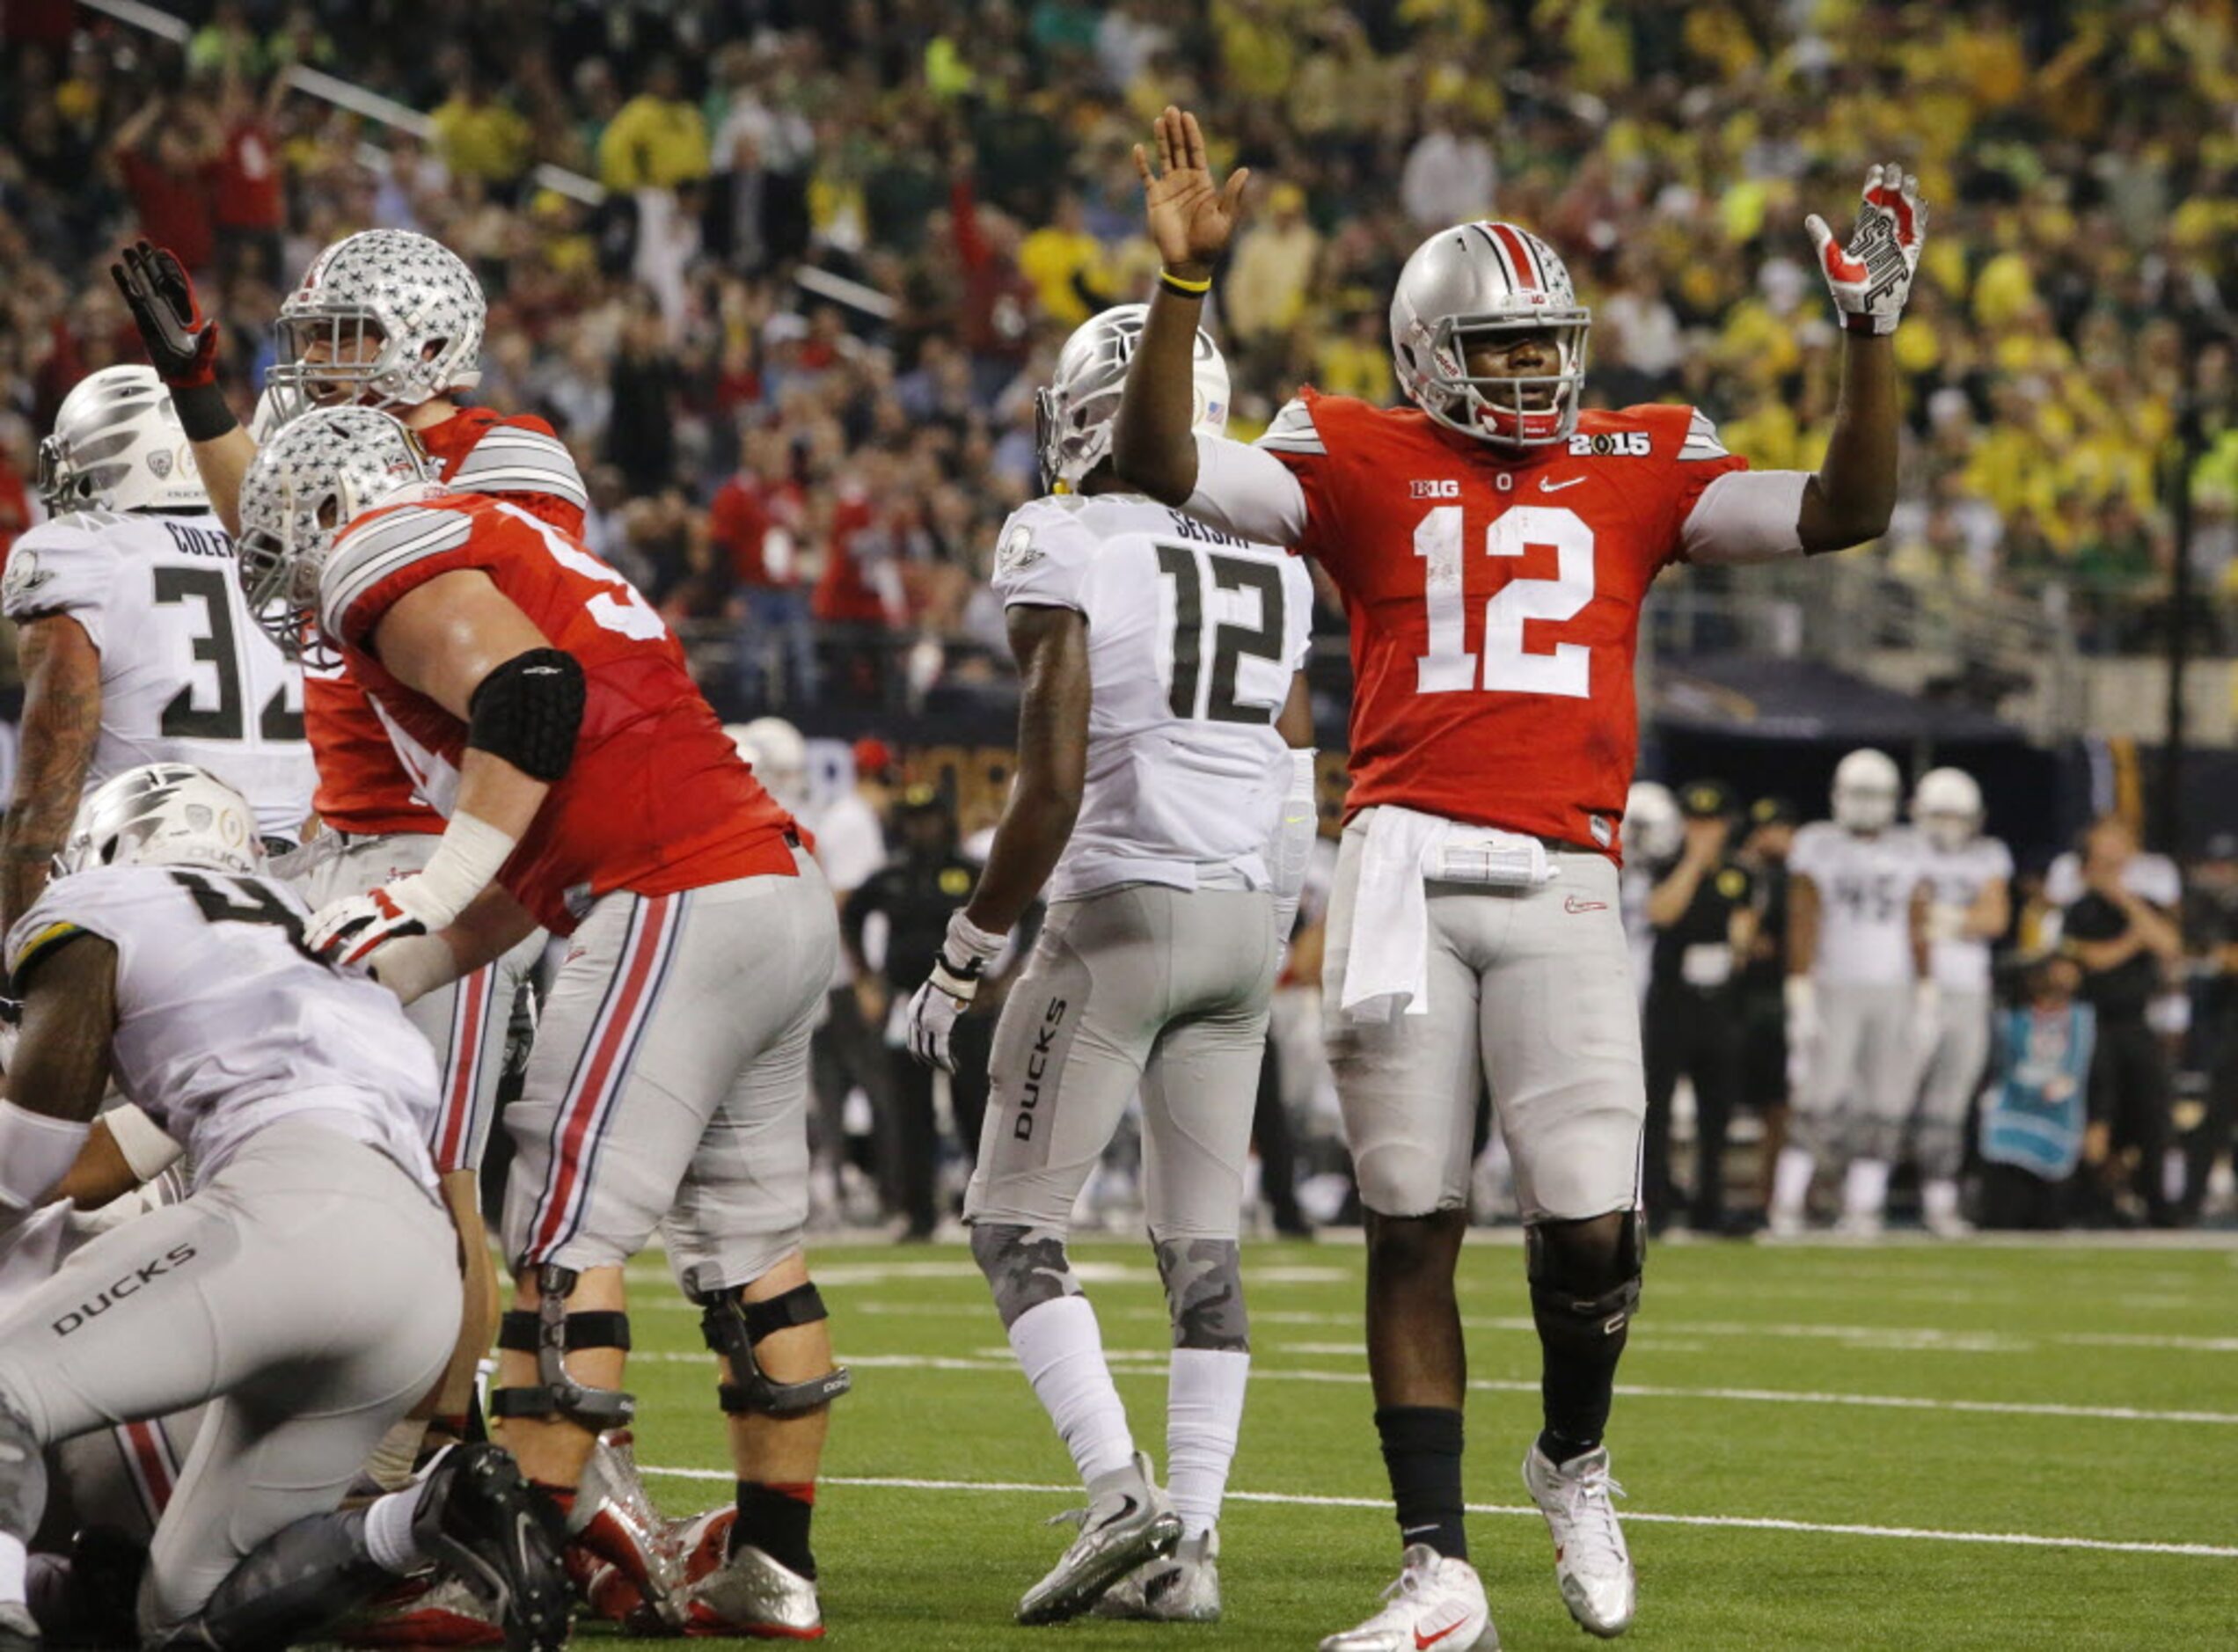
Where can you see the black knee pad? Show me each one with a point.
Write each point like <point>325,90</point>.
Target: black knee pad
<point>551,1334</point>
<point>733,1326</point>
<point>1585,1289</point>
<point>1025,1266</point>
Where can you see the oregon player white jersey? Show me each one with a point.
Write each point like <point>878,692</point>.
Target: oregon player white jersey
<point>1865,888</point>
<point>227,1023</point>
<point>1957,877</point>
<point>186,677</point>
<point>1194,637</point>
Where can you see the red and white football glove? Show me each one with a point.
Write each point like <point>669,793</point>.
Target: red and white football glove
<point>348,931</point>
<point>1871,277</point>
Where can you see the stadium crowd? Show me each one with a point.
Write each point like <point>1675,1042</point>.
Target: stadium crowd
<point>793,345</point>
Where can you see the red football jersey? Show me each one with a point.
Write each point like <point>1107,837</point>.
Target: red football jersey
<point>1494,597</point>
<point>657,798</point>
<point>362,787</point>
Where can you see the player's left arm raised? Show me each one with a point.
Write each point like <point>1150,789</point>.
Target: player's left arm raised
<point>1849,500</point>
<point>466,645</point>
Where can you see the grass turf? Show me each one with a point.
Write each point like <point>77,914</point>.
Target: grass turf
<point>1724,1331</point>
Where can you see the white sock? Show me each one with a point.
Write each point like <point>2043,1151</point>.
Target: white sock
<point>12,1562</point>
<point>1791,1179</point>
<point>1203,1413</point>
<point>1940,1198</point>
<point>1865,1188</point>
<point>1060,1346</point>
<point>388,1532</point>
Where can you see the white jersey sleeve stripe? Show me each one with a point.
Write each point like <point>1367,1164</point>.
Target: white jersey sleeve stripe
<point>363,559</point>
<point>1293,430</point>
<point>522,462</point>
<point>1701,441</point>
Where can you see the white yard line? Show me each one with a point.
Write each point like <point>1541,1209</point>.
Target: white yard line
<point>1899,1338</point>
<point>1153,1361</point>
<point>2025,1539</point>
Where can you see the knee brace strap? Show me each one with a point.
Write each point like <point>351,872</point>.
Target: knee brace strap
<point>549,1333</point>
<point>1561,1297</point>
<point>732,1327</point>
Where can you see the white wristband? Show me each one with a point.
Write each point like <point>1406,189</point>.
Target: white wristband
<point>976,945</point>
<point>146,1146</point>
<point>36,1151</point>
<point>465,863</point>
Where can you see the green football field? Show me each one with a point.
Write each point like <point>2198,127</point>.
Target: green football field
<point>1908,1446</point>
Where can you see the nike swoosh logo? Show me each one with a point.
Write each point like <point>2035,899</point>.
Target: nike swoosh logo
<point>1422,1641</point>
<point>1548,486</point>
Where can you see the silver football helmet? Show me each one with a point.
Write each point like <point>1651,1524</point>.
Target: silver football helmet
<point>302,488</point>
<point>117,446</point>
<point>164,815</point>
<point>1479,282</point>
<point>1946,807</point>
<point>1073,415</point>
<point>1865,789</point>
<point>384,318</point>
<point>774,749</point>
<point>1653,830</point>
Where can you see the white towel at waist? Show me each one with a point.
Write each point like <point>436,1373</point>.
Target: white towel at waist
<point>1387,970</point>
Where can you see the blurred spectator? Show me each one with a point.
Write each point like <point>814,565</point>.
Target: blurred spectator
<point>640,439</point>
<point>1449,176</point>
<point>756,520</point>
<point>657,140</point>
<point>2034,1127</point>
<point>162,154</point>
<point>2125,945</point>
<point>478,135</point>
<point>1265,292</point>
<point>1064,263</point>
<point>2211,933</point>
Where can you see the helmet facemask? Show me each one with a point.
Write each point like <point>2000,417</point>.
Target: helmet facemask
<point>357,365</point>
<point>1522,410</point>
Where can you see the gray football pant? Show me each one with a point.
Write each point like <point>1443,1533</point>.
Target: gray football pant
<point>1140,986</point>
<point>1862,1079</point>
<point>465,1020</point>
<point>1953,1054</point>
<point>309,1290</point>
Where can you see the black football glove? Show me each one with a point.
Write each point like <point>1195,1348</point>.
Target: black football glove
<point>181,340</point>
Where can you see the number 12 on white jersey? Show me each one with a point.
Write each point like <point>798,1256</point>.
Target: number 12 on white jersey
<point>1449,666</point>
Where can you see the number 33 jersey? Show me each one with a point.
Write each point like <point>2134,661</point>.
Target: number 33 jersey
<point>185,674</point>
<point>225,1021</point>
<point>1494,596</point>
<point>1193,638</point>
<point>656,799</point>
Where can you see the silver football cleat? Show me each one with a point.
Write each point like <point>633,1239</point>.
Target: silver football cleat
<point>1592,1563</point>
<point>1127,1521</point>
<point>1185,1588</point>
<point>751,1594</point>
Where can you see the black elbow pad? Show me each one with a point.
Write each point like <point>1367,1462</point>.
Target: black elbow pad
<point>527,712</point>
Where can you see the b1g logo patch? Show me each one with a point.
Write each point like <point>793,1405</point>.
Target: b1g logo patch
<point>1610,444</point>
<point>1443,487</point>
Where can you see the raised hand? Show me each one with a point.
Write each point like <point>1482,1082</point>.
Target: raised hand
<point>1190,215</point>
<point>181,340</point>
<point>1871,277</point>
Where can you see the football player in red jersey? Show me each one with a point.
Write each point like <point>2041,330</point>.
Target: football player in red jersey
<point>394,320</point>
<point>538,701</point>
<point>1493,543</point>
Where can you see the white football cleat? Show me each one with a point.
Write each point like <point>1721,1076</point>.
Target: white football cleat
<point>1438,1602</point>
<point>1127,1521</point>
<point>1785,1225</point>
<point>1860,1225</point>
<point>1183,1588</point>
<point>1590,1561</point>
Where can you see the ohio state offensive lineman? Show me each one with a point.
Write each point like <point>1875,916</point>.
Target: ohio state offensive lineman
<point>543,707</point>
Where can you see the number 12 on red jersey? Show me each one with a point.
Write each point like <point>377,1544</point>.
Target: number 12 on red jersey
<point>1448,667</point>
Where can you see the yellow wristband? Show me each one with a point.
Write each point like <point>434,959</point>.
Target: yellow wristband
<point>1182,285</point>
